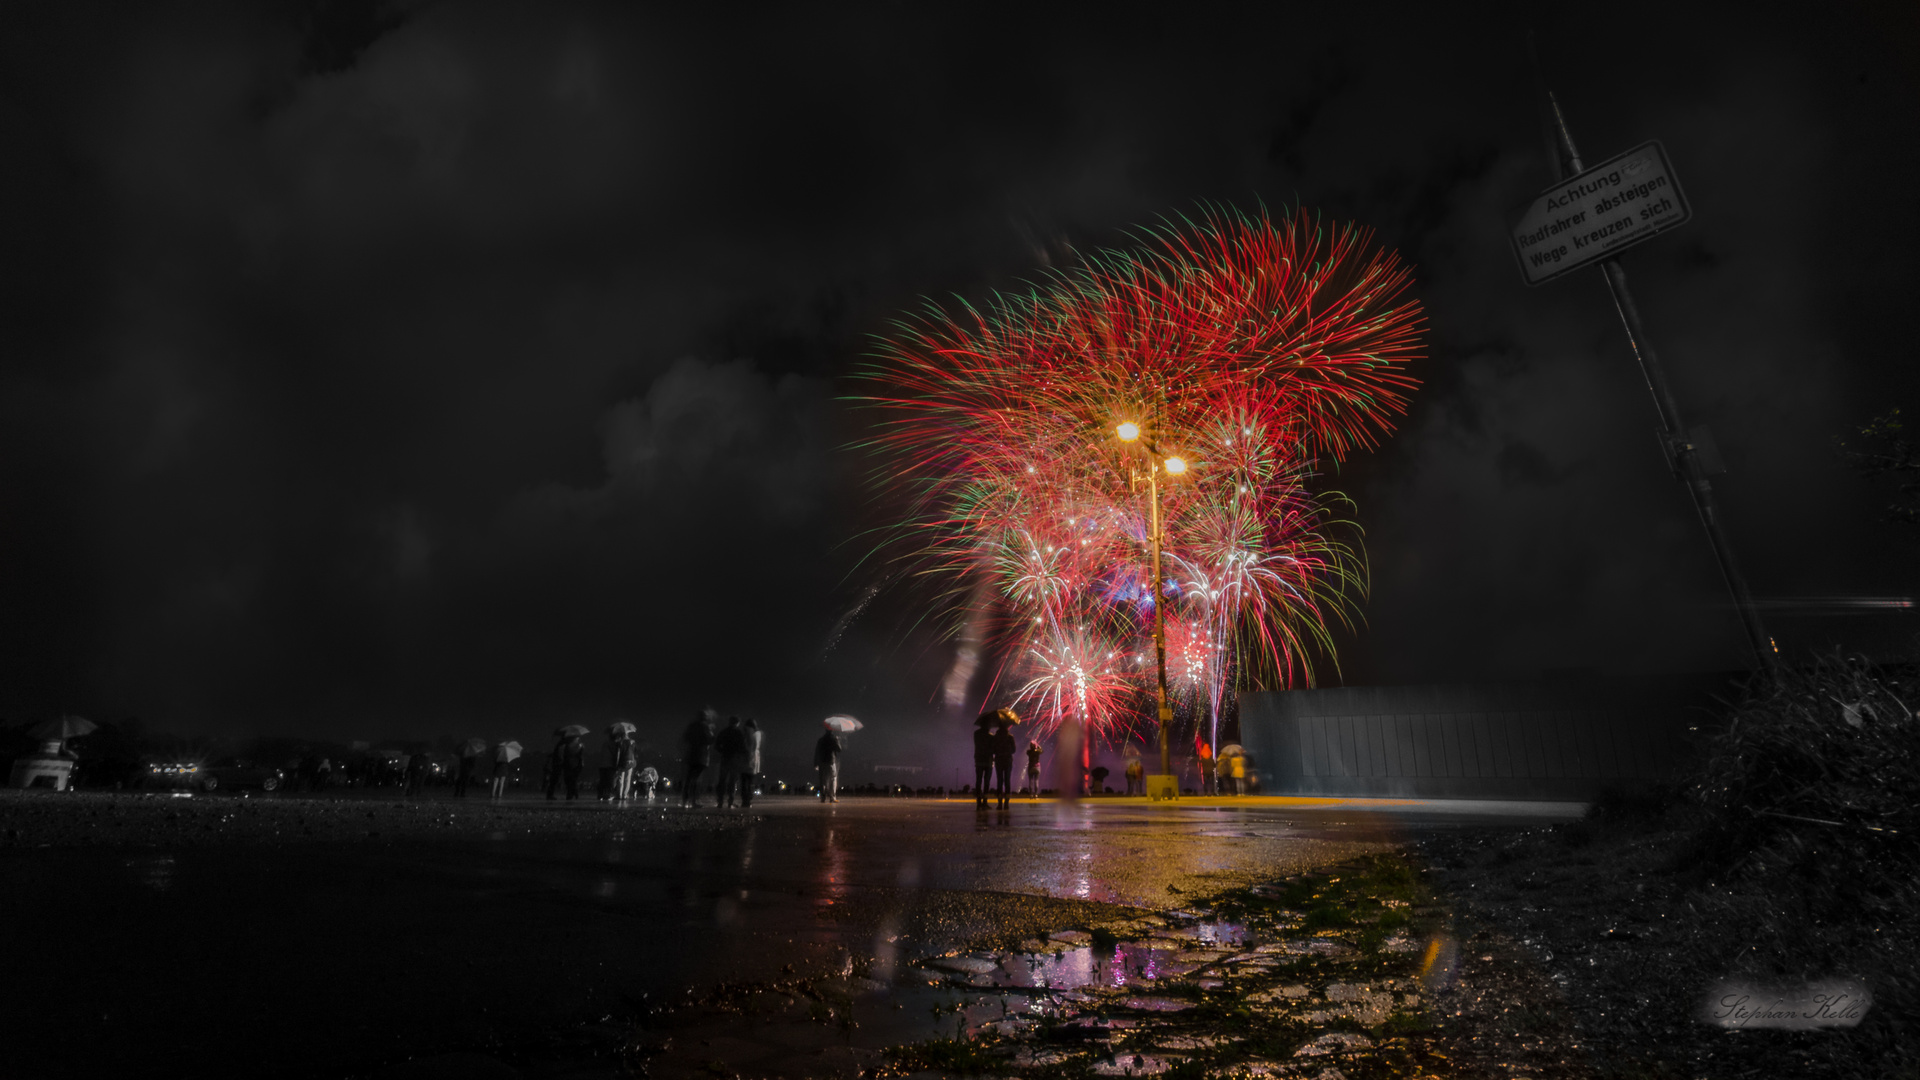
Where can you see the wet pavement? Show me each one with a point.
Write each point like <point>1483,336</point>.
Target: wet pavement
<point>341,958</point>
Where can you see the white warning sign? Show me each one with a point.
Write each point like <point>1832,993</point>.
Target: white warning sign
<point>1598,213</point>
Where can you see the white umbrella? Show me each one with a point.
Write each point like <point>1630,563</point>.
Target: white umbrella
<point>64,728</point>
<point>1233,749</point>
<point>621,727</point>
<point>843,724</point>
<point>649,775</point>
<point>506,751</point>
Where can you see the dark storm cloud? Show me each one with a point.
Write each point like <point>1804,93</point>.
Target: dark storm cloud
<point>403,367</point>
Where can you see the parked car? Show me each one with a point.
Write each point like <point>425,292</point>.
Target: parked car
<point>217,775</point>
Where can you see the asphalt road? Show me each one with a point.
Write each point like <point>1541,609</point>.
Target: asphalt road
<point>330,958</point>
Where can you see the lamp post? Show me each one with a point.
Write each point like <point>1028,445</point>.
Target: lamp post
<point>1130,432</point>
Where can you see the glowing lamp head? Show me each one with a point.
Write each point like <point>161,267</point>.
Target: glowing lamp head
<point>1128,431</point>
<point>1176,465</point>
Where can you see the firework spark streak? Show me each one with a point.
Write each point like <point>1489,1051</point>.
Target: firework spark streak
<point>1248,346</point>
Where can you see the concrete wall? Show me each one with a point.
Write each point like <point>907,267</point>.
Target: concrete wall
<point>1534,740</point>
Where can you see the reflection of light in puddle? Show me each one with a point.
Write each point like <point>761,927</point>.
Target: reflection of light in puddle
<point>1130,963</point>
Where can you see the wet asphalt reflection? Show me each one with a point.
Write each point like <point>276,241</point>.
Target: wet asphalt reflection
<point>333,959</point>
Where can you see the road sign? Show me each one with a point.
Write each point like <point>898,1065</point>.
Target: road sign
<point>1600,212</point>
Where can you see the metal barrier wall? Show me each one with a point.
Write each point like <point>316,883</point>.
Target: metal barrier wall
<point>1534,740</point>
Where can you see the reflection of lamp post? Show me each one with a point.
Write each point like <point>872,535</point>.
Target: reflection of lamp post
<point>1130,432</point>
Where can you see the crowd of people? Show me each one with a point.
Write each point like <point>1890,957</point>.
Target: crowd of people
<point>725,759</point>
<point>995,747</point>
<point>737,745</point>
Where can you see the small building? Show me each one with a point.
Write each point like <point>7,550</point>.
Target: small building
<point>52,768</point>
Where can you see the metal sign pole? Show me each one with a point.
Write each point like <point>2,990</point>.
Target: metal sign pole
<point>1681,449</point>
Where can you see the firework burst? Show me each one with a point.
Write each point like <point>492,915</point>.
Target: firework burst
<point>1250,347</point>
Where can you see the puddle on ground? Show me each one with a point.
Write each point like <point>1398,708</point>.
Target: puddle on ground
<point>1250,986</point>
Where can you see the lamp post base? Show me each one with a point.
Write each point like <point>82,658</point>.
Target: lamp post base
<point>1163,786</point>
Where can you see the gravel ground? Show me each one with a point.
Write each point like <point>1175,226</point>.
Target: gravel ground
<point>36,819</point>
<point>1590,954</point>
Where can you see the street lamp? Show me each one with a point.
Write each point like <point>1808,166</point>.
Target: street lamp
<point>1130,432</point>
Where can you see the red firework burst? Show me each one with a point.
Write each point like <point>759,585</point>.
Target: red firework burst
<point>1249,347</point>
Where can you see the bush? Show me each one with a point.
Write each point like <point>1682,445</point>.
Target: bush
<point>1816,775</point>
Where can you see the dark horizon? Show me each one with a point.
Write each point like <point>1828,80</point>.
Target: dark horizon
<point>396,370</point>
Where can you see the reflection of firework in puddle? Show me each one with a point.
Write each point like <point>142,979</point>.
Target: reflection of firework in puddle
<point>1075,963</point>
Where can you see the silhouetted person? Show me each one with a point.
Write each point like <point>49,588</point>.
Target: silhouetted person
<point>625,761</point>
<point>1207,771</point>
<point>1136,785</point>
<point>826,758</point>
<point>571,759</point>
<point>553,767</point>
<point>322,774</point>
<point>750,774</point>
<point>416,773</point>
<point>1003,750</point>
<point>983,757</point>
<point>697,744</point>
<point>469,768</point>
<point>1033,769</point>
<point>731,746</point>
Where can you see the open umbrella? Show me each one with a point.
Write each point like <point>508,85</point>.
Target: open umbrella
<point>571,731</point>
<point>621,727</point>
<point>64,728</point>
<point>506,751</point>
<point>843,724</point>
<point>473,747</point>
<point>1233,749</point>
<point>649,775</point>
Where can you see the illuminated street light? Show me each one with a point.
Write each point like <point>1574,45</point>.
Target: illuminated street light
<point>1175,466</point>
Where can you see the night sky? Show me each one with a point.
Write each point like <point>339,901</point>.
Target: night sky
<point>380,370</point>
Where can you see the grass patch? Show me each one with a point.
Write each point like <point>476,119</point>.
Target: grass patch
<point>1328,916</point>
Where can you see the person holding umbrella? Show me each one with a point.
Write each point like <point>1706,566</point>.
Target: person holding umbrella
<point>503,757</point>
<point>1033,769</point>
<point>648,777</point>
<point>621,751</point>
<point>826,758</point>
<point>569,757</point>
<point>1232,766</point>
<point>470,752</point>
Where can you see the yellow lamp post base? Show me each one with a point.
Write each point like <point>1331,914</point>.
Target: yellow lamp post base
<point>1163,786</point>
